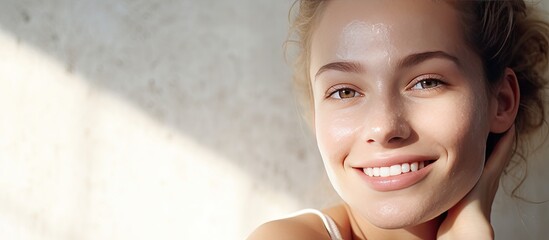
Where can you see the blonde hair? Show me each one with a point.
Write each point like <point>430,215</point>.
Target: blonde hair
<point>505,34</point>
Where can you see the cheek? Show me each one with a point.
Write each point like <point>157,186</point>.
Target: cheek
<point>471,131</point>
<point>335,133</point>
<point>458,123</point>
<point>467,158</point>
<point>460,132</point>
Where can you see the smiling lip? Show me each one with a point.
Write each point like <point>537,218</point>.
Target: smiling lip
<point>392,181</point>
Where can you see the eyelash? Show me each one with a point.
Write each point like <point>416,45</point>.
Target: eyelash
<point>427,78</point>
<point>338,90</point>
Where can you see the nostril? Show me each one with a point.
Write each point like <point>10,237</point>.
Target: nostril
<point>396,139</point>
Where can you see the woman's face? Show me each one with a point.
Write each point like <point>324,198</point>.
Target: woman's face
<point>401,107</point>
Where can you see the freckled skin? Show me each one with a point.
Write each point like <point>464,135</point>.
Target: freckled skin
<point>450,122</point>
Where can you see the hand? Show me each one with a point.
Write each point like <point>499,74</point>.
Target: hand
<point>470,217</point>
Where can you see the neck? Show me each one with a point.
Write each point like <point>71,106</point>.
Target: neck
<point>362,229</point>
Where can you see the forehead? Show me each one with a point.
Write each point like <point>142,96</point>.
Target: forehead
<point>404,26</point>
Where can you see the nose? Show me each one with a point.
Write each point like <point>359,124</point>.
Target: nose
<point>387,125</point>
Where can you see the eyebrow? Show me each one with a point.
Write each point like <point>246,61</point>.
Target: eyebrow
<point>417,58</point>
<point>353,67</point>
<point>408,61</point>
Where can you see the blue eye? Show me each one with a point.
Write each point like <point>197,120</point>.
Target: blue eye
<point>344,93</point>
<point>427,84</point>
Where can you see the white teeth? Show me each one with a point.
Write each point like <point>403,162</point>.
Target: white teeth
<point>414,166</point>
<point>394,170</point>
<point>384,171</point>
<point>405,167</point>
<point>369,171</point>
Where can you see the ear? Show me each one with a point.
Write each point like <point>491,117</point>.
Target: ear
<point>506,102</point>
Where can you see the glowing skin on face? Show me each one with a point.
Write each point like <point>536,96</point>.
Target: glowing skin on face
<point>344,129</point>
<point>389,118</point>
<point>359,38</point>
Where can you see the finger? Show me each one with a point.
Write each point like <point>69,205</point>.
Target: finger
<point>501,155</point>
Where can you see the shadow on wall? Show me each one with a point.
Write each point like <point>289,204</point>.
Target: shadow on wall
<point>212,71</point>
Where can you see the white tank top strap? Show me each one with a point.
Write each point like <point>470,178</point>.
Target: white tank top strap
<point>329,223</point>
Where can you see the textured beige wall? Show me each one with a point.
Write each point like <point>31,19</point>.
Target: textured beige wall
<point>162,120</point>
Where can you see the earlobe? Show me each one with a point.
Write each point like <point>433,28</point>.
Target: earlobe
<point>507,99</point>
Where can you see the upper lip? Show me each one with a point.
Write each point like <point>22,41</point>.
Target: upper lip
<point>387,161</point>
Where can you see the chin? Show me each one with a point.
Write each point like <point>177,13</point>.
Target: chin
<point>394,217</point>
<point>395,222</point>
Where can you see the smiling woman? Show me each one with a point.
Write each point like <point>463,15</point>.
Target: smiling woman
<point>414,106</point>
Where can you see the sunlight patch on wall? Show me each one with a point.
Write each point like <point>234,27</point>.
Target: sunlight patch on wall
<point>79,162</point>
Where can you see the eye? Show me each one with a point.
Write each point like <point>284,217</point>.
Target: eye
<point>427,84</point>
<point>344,93</point>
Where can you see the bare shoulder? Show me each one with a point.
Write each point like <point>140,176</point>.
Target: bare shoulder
<point>302,227</point>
